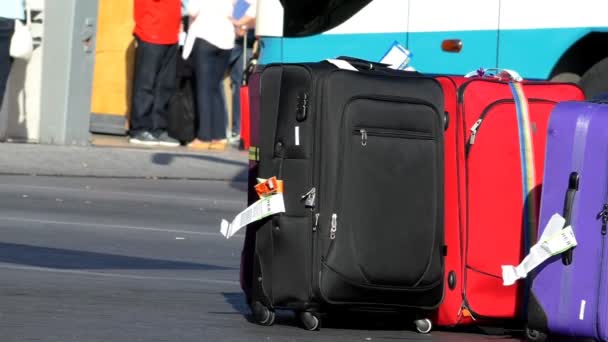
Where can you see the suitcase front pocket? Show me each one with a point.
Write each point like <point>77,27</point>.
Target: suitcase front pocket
<point>382,232</point>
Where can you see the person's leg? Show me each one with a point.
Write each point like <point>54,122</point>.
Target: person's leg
<point>236,76</point>
<point>203,69</point>
<point>7,27</point>
<point>220,61</point>
<point>166,83</point>
<point>148,58</point>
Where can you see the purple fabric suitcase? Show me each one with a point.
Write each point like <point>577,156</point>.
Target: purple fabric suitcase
<point>569,294</point>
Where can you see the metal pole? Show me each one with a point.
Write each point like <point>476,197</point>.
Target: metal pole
<point>67,71</point>
<point>245,52</point>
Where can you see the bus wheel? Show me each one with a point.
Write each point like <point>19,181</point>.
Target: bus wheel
<point>566,77</point>
<point>595,81</point>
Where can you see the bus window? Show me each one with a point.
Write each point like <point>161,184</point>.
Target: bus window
<point>367,34</point>
<point>310,17</point>
<point>559,40</point>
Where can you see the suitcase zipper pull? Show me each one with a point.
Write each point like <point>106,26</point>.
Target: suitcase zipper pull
<point>310,198</point>
<point>474,131</point>
<point>316,225</point>
<point>363,137</point>
<point>334,226</point>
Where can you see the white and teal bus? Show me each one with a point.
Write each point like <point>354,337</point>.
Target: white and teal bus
<point>564,40</point>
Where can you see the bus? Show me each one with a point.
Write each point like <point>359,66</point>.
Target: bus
<point>558,40</point>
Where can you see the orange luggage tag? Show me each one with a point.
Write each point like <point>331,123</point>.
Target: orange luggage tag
<point>270,203</point>
<point>269,187</point>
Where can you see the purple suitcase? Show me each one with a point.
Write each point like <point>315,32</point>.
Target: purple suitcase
<point>569,294</point>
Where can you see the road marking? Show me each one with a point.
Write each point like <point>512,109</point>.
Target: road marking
<point>114,275</point>
<point>112,226</point>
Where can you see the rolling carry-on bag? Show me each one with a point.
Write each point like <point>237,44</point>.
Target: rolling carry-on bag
<point>569,294</point>
<point>500,130</point>
<point>360,152</point>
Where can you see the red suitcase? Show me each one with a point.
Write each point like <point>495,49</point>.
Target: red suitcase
<point>454,198</point>
<point>252,141</point>
<point>245,116</point>
<point>493,184</point>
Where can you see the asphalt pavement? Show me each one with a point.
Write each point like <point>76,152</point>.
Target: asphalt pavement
<point>85,256</point>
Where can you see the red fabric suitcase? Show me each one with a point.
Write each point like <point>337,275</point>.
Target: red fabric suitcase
<point>487,175</point>
<point>252,142</point>
<point>454,200</point>
<point>245,116</point>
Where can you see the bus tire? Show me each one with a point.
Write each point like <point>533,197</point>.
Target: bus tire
<point>595,80</point>
<point>566,77</point>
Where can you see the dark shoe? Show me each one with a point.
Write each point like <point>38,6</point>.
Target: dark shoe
<point>144,138</point>
<point>165,140</point>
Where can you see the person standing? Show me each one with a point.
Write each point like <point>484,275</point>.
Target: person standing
<point>10,10</point>
<point>157,28</point>
<point>211,39</point>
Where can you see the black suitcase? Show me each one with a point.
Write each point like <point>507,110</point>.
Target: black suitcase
<point>361,157</point>
<point>182,122</point>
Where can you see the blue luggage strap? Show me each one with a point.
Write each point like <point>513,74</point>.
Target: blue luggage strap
<point>528,171</point>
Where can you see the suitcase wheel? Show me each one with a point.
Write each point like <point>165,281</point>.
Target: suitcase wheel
<point>263,315</point>
<point>535,335</point>
<point>423,326</point>
<point>310,321</point>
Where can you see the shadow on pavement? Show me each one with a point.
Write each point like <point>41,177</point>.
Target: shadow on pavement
<point>238,302</point>
<point>241,176</point>
<point>72,259</point>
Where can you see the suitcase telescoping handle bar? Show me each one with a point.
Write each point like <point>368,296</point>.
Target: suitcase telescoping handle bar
<point>573,182</point>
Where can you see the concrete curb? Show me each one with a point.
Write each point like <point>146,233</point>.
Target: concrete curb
<point>122,162</point>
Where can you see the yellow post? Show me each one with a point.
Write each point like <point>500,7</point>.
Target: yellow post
<point>113,74</point>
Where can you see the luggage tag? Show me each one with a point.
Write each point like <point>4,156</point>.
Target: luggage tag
<point>267,187</point>
<point>553,241</point>
<point>397,57</point>
<point>341,64</point>
<point>270,203</point>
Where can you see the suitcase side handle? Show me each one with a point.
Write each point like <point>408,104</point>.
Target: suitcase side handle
<point>501,74</point>
<point>573,183</point>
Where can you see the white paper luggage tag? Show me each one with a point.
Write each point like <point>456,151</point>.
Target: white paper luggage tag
<point>264,207</point>
<point>397,57</point>
<point>553,241</point>
<point>342,64</point>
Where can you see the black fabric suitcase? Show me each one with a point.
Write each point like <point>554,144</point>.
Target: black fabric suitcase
<point>361,157</point>
<point>182,123</point>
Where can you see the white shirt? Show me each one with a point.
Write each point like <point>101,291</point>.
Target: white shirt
<point>213,23</point>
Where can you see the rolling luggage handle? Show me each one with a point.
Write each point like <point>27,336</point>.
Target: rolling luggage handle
<point>501,74</point>
<point>568,203</point>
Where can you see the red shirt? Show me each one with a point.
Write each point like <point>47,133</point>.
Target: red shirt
<point>157,21</point>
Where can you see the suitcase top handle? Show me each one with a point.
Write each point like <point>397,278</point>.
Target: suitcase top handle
<point>496,73</point>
